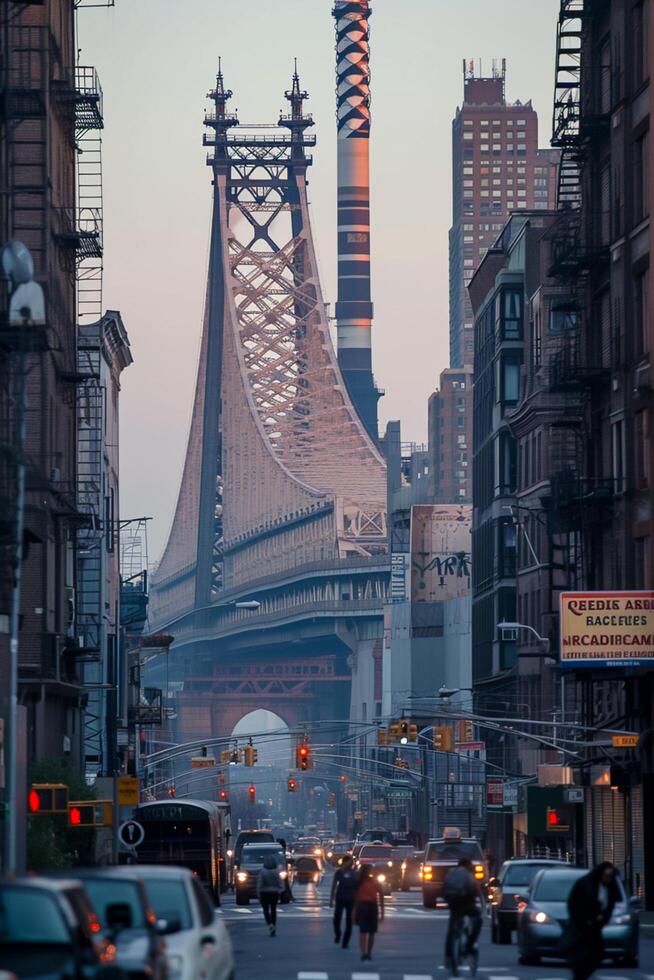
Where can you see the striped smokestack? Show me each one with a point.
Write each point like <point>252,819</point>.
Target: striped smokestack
<point>354,306</point>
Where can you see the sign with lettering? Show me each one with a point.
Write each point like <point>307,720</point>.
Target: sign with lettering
<point>399,569</point>
<point>440,551</point>
<point>624,741</point>
<point>607,629</point>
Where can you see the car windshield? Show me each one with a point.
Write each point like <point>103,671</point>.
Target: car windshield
<point>169,900</point>
<point>31,916</point>
<point>521,874</point>
<point>375,851</point>
<point>256,855</point>
<point>555,886</point>
<point>447,851</point>
<point>104,892</point>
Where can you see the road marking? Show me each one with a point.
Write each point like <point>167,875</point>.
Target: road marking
<point>244,911</point>
<point>417,976</point>
<point>313,976</point>
<point>365,976</point>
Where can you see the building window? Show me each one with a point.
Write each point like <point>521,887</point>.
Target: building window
<point>641,15</point>
<point>563,319</point>
<point>508,314</point>
<point>642,312</point>
<point>509,380</point>
<point>507,549</point>
<point>641,177</point>
<point>641,447</point>
<point>617,454</point>
<point>468,136</point>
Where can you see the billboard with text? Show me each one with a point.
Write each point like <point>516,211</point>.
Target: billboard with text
<point>607,629</point>
<point>440,551</point>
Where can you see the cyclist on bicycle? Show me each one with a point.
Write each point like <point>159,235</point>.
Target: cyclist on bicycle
<point>462,892</point>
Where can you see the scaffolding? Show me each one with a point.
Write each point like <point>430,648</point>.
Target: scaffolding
<point>134,574</point>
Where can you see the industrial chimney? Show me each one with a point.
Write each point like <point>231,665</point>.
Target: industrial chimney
<point>354,306</point>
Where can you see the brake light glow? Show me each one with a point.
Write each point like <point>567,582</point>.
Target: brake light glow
<point>522,906</point>
<point>479,872</point>
<point>427,873</point>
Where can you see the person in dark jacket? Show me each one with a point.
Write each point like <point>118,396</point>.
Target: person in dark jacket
<point>270,888</point>
<point>344,887</point>
<point>462,892</point>
<point>590,905</point>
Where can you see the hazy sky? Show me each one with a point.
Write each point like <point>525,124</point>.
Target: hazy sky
<point>157,60</point>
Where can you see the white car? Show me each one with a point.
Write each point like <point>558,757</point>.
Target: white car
<point>197,943</point>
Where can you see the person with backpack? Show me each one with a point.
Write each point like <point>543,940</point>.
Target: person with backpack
<point>463,895</point>
<point>344,886</point>
<point>270,888</point>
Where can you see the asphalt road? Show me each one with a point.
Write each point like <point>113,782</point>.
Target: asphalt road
<point>409,945</point>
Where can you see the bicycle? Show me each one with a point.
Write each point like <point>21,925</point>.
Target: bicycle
<point>460,941</point>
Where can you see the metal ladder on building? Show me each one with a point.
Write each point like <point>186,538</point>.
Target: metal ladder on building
<point>566,119</point>
<point>90,587</point>
<point>89,124</point>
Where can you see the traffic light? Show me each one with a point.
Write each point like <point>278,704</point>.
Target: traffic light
<point>342,778</point>
<point>394,731</point>
<point>555,821</point>
<point>252,794</point>
<point>382,736</point>
<point>250,755</point>
<point>331,799</point>
<point>444,738</point>
<point>291,784</point>
<point>47,798</point>
<point>83,814</point>
<point>223,795</point>
<point>225,757</point>
<point>466,731</point>
<point>303,757</point>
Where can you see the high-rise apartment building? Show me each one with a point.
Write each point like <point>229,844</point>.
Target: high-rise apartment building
<point>450,437</point>
<point>497,168</point>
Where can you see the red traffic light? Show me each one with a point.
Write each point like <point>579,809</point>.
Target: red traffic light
<point>75,816</point>
<point>303,756</point>
<point>33,801</point>
<point>252,793</point>
<point>292,785</point>
<point>223,794</point>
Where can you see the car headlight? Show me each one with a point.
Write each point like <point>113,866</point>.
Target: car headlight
<point>403,865</point>
<point>381,878</point>
<point>541,918</point>
<point>283,874</point>
<point>622,919</point>
<point>330,854</point>
<point>241,876</point>
<point>390,864</point>
<point>175,967</point>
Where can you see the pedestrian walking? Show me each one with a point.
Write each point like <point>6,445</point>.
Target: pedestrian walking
<point>270,888</point>
<point>590,905</point>
<point>344,887</point>
<point>368,910</point>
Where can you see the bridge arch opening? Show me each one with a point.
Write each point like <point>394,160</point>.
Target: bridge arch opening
<point>270,735</point>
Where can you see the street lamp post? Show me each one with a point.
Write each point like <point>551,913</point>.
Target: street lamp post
<point>543,640</point>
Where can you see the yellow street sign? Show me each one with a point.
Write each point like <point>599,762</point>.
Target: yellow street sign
<point>127,790</point>
<point>202,762</point>
<point>624,741</point>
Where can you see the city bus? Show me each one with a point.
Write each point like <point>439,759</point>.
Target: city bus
<point>191,833</point>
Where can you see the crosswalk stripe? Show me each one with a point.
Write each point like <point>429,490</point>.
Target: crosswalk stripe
<point>313,976</point>
<point>417,976</point>
<point>365,976</point>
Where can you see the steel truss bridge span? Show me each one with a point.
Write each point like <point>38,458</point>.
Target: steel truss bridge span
<point>283,492</point>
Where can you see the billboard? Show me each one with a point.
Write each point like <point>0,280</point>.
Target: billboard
<point>604,629</point>
<point>440,551</point>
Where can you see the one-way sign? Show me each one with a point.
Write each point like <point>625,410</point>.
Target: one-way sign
<point>131,833</point>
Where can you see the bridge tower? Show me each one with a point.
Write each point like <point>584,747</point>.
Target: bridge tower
<point>283,491</point>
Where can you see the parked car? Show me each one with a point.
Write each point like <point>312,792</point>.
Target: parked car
<point>252,858</point>
<point>380,859</point>
<point>410,870</point>
<point>127,919</point>
<point>197,943</point>
<point>543,922</point>
<point>443,854</point>
<point>49,930</point>
<point>509,892</point>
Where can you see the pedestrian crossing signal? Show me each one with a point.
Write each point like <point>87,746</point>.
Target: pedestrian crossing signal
<point>47,798</point>
<point>84,814</point>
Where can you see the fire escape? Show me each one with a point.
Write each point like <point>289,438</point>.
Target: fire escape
<point>579,252</point>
